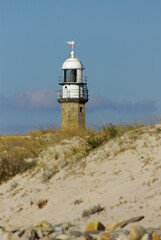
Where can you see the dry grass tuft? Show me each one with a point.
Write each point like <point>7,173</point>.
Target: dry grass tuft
<point>93,210</point>
<point>18,154</point>
<point>42,203</point>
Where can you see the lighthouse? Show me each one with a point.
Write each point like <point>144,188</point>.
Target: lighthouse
<point>73,94</point>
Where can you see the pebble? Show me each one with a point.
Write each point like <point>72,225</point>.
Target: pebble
<point>95,226</point>
<point>147,236</point>
<point>137,232</point>
<point>94,231</point>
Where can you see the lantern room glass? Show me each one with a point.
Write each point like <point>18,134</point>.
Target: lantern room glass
<point>70,75</point>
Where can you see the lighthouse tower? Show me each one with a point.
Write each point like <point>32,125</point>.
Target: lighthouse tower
<point>74,93</point>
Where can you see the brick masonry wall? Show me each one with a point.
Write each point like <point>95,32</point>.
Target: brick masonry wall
<point>72,116</point>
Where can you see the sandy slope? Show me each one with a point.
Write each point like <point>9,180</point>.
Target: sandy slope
<point>124,176</point>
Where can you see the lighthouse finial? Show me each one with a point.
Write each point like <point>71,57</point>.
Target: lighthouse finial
<point>72,43</point>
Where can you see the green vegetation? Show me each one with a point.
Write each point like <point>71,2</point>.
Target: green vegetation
<point>94,142</point>
<point>111,131</point>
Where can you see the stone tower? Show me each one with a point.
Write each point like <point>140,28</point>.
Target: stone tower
<point>74,93</point>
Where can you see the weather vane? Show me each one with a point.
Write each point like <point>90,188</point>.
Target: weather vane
<point>72,44</point>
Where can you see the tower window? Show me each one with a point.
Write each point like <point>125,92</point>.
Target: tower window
<point>81,109</point>
<point>70,75</point>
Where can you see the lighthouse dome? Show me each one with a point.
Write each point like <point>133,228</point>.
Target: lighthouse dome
<point>72,63</point>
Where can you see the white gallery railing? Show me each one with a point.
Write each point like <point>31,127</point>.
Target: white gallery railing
<point>74,93</point>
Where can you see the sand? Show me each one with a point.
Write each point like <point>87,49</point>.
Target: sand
<point>123,176</point>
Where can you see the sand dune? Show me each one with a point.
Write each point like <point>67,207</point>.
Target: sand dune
<point>123,176</point>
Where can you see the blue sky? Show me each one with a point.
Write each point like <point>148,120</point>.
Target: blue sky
<point>119,43</point>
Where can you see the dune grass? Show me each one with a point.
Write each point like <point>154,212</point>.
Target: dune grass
<point>18,153</point>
